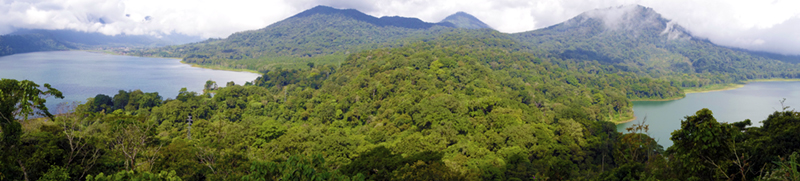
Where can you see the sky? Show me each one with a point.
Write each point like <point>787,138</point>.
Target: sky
<point>767,25</point>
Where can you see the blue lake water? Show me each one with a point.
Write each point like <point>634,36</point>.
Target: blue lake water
<point>754,101</point>
<point>81,75</point>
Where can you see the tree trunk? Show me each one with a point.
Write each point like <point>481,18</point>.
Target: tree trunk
<point>24,173</point>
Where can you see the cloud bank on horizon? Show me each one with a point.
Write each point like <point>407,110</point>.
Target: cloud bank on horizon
<point>772,26</point>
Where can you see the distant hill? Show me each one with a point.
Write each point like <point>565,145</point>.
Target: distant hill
<point>33,40</point>
<point>464,20</point>
<point>638,39</point>
<point>12,44</point>
<point>396,21</point>
<point>94,39</point>
<point>321,34</point>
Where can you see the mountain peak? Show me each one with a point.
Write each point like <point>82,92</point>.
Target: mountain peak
<point>396,21</point>
<point>464,20</point>
<point>330,10</point>
<point>626,17</point>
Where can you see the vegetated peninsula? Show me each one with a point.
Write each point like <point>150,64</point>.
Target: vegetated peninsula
<point>347,96</point>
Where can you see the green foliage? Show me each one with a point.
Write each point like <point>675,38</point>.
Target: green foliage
<point>127,100</point>
<point>24,97</point>
<point>376,164</point>
<point>56,173</point>
<point>787,169</point>
<point>130,175</point>
<point>380,163</point>
<point>294,168</point>
<point>21,99</point>
<point>701,146</point>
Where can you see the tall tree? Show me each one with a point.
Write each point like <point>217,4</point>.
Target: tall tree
<point>19,99</point>
<point>701,147</point>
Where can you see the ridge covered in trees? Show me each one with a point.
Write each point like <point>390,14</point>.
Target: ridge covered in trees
<point>630,38</point>
<point>637,39</point>
<point>321,35</point>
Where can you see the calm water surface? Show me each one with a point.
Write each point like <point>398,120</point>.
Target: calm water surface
<point>754,101</point>
<point>81,75</point>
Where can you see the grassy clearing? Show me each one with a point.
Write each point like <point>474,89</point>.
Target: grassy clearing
<point>652,99</point>
<point>712,88</point>
<point>620,118</point>
<point>217,67</point>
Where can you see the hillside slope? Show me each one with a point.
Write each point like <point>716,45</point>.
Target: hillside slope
<point>638,39</point>
<point>35,40</point>
<point>322,35</point>
<point>13,44</point>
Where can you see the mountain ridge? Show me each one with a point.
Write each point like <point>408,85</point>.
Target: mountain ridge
<point>35,40</point>
<point>636,37</point>
<point>633,38</point>
<point>398,21</point>
<point>321,35</point>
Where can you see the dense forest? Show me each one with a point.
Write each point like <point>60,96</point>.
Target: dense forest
<point>455,107</point>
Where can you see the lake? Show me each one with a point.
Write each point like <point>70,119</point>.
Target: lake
<point>80,75</point>
<point>754,101</point>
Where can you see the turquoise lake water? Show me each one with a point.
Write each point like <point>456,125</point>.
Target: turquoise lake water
<point>754,101</point>
<point>81,75</point>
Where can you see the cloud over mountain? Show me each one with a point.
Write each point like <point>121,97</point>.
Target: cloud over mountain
<point>758,25</point>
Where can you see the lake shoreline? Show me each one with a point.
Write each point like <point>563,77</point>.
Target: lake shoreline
<point>666,99</point>
<point>220,68</point>
<point>84,74</point>
<point>724,87</point>
<point>626,121</point>
<point>181,60</point>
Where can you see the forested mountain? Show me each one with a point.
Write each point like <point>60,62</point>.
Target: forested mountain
<point>322,35</point>
<point>11,44</point>
<point>33,40</point>
<point>638,39</point>
<point>464,20</point>
<point>81,39</point>
<point>632,38</point>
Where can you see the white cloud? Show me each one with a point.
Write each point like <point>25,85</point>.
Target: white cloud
<point>759,25</point>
